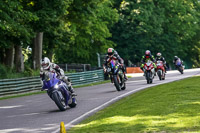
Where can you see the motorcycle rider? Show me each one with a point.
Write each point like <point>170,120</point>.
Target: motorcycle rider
<point>175,59</point>
<point>159,57</point>
<point>145,58</point>
<point>47,66</point>
<point>112,54</point>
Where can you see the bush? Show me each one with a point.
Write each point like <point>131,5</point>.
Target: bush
<point>3,71</point>
<point>28,71</point>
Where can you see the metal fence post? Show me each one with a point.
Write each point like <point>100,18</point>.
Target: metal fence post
<point>65,67</point>
<point>84,67</point>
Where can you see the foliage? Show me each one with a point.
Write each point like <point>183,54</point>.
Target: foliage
<point>157,25</point>
<point>14,23</point>
<point>7,73</point>
<point>3,71</point>
<point>76,30</point>
<point>89,23</point>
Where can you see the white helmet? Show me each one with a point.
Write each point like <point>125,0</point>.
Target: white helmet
<point>45,63</point>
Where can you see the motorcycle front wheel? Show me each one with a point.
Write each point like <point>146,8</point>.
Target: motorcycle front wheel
<point>116,82</point>
<point>59,102</point>
<point>148,77</point>
<point>159,74</point>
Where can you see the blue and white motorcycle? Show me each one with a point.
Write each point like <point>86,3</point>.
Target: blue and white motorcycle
<point>179,66</point>
<point>58,91</point>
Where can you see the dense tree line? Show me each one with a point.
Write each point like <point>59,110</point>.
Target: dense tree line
<point>74,31</point>
<point>171,27</point>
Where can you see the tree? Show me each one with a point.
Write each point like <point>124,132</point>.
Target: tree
<point>49,14</point>
<point>89,23</point>
<point>157,25</point>
<point>15,30</point>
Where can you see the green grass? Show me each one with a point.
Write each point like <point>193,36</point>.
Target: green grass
<point>95,83</point>
<point>129,76</point>
<point>168,108</point>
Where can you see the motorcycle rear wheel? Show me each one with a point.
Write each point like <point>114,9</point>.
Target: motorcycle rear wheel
<point>74,103</point>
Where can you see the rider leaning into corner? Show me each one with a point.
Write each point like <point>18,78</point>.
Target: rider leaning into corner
<point>47,66</point>
<point>159,57</point>
<point>147,57</point>
<point>112,54</point>
<point>175,59</point>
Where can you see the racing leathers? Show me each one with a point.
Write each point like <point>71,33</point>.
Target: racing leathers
<point>164,62</point>
<point>115,56</point>
<point>174,61</point>
<point>54,68</point>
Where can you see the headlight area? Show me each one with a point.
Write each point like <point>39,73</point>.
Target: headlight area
<point>56,86</point>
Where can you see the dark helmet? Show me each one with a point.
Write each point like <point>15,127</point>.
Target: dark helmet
<point>110,51</point>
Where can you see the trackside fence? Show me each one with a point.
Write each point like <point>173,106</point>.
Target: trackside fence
<point>30,84</point>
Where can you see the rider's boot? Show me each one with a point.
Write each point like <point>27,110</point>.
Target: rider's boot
<point>125,77</point>
<point>70,88</point>
<point>72,91</point>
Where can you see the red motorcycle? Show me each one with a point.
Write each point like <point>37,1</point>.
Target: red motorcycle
<point>149,71</point>
<point>160,70</point>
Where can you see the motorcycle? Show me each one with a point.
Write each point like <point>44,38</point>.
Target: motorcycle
<point>149,71</point>
<point>179,66</point>
<point>58,91</point>
<point>160,70</point>
<point>116,75</point>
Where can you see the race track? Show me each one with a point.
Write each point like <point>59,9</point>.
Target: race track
<point>39,114</point>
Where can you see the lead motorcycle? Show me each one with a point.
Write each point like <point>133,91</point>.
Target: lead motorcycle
<point>116,75</point>
<point>179,66</point>
<point>58,91</point>
<point>149,71</point>
<point>160,70</point>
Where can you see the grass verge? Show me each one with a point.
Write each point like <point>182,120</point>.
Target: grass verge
<point>172,107</point>
<point>39,92</point>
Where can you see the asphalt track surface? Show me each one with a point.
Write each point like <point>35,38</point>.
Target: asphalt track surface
<point>39,114</point>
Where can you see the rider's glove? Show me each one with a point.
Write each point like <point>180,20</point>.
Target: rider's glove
<point>105,70</point>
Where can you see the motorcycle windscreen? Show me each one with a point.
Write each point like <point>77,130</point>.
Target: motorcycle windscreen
<point>114,66</point>
<point>112,62</point>
<point>50,80</point>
